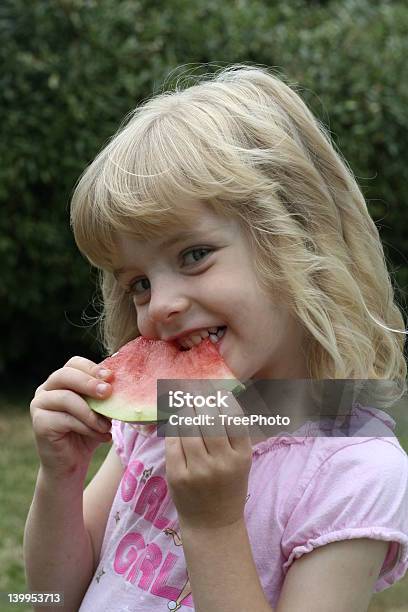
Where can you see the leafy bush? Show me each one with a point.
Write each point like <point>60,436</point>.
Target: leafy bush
<point>74,68</point>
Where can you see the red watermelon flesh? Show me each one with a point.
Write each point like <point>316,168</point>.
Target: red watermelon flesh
<point>141,362</point>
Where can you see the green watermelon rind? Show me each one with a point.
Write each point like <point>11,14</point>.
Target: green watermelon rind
<point>113,407</point>
<point>122,412</point>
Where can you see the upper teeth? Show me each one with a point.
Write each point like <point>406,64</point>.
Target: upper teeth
<point>196,337</point>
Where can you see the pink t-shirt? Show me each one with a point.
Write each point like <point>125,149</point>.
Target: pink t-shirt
<point>303,492</point>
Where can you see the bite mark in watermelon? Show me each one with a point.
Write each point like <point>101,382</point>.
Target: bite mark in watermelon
<point>141,362</point>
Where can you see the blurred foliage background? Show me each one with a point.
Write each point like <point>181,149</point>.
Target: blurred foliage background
<point>72,69</point>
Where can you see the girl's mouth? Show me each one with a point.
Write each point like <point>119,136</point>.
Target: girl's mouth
<point>214,334</point>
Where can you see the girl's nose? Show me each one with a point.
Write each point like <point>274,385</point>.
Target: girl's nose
<point>165,305</point>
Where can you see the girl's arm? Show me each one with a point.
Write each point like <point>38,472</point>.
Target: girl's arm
<point>59,553</point>
<point>221,569</point>
<point>76,519</point>
<point>57,547</point>
<point>340,577</point>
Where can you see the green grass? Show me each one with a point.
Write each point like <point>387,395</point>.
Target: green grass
<point>18,468</point>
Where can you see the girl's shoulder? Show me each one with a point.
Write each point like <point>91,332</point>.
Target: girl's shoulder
<point>369,457</point>
<point>327,466</point>
<point>305,461</point>
<point>366,439</point>
<point>320,439</point>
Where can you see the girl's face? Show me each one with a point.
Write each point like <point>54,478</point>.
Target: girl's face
<point>181,283</point>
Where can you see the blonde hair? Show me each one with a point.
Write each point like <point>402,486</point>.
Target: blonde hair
<point>243,142</point>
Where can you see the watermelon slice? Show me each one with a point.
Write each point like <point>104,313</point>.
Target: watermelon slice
<point>141,362</point>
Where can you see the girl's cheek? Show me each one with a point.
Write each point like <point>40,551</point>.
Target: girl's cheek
<point>142,322</point>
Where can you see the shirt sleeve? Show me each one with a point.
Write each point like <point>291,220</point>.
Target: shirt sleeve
<point>359,491</point>
<point>124,438</point>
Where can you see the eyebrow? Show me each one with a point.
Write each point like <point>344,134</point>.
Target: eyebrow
<point>184,235</point>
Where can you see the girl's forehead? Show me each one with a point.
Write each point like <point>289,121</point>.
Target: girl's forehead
<point>202,227</point>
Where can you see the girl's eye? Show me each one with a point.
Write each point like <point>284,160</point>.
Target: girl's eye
<point>132,287</point>
<point>198,251</point>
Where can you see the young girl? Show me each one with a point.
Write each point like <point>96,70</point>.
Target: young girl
<point>224,204</point>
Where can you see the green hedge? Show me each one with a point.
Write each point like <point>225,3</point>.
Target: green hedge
<point>75,68</point>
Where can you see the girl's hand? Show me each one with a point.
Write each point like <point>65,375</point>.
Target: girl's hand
<point>208,474</point>
<point>66,430</point>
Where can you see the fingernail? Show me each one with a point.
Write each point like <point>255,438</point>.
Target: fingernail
<point>101,388</point>
<point>103,373</point>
